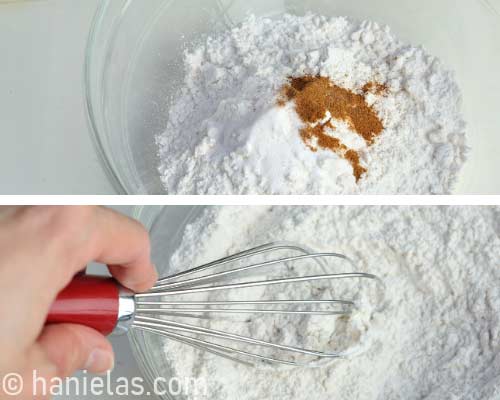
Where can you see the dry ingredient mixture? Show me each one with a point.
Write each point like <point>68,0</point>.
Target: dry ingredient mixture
<point>438,334</point>
<point>312,105</point>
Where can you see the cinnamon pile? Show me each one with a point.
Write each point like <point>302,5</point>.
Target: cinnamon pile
<point>314,96</point>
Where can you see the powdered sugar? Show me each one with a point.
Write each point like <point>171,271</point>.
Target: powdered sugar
<point>437,336</point>
<point>226,135</point>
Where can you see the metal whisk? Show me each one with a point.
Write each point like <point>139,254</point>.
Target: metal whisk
<point>119,310</point>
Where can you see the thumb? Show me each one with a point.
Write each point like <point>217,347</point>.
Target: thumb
<point>72,347</point>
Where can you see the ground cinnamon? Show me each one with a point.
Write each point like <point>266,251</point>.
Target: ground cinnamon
<point>375,88</point>
<point>314,96</point>
<point>329,142</point>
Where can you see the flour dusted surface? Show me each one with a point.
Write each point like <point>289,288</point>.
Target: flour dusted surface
<point>226,135</point>
<point>437,337</point>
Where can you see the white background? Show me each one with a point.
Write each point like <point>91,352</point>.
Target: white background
<point>46,146</point>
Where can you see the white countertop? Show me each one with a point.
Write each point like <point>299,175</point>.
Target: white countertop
<point>46,146</point>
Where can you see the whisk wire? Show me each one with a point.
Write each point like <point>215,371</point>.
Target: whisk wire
<point>188,328</point>
<point>256,283</point>
<point>217,349</point>
<point>225,274</point>
<point>258,250</point>
<point>153,308</point>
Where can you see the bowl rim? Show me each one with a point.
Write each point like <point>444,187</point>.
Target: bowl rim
<point>90,111</point>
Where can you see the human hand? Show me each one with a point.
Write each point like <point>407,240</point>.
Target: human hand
<point>41,249</point>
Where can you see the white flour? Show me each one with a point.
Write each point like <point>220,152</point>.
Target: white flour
<point>438,336</point>
<point>225,134</point>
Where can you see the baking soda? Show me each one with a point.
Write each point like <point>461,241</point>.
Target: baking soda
<point>227,135</point>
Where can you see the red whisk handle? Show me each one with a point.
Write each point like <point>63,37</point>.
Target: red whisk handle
<point>92,301</point>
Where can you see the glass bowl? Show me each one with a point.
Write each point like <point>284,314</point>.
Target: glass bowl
<point>134,63</point>
<point>166,226</point>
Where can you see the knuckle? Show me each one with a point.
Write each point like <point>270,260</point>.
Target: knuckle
<point>64,232</point>
<point>68,226</point>
<point>58,221</point>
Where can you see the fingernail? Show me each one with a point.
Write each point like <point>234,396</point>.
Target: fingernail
<point>100,361</point>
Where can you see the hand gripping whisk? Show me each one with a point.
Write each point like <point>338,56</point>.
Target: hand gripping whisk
<point>104,305</point>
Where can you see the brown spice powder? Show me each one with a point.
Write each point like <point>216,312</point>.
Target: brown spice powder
<point>314,96</point>
<point>328,142</point>
<point>375,88</point>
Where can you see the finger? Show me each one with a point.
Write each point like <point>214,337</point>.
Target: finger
<point>137,281</point>
<point>70,347</point>
<point>57,242</point>
<point>123,244</point>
